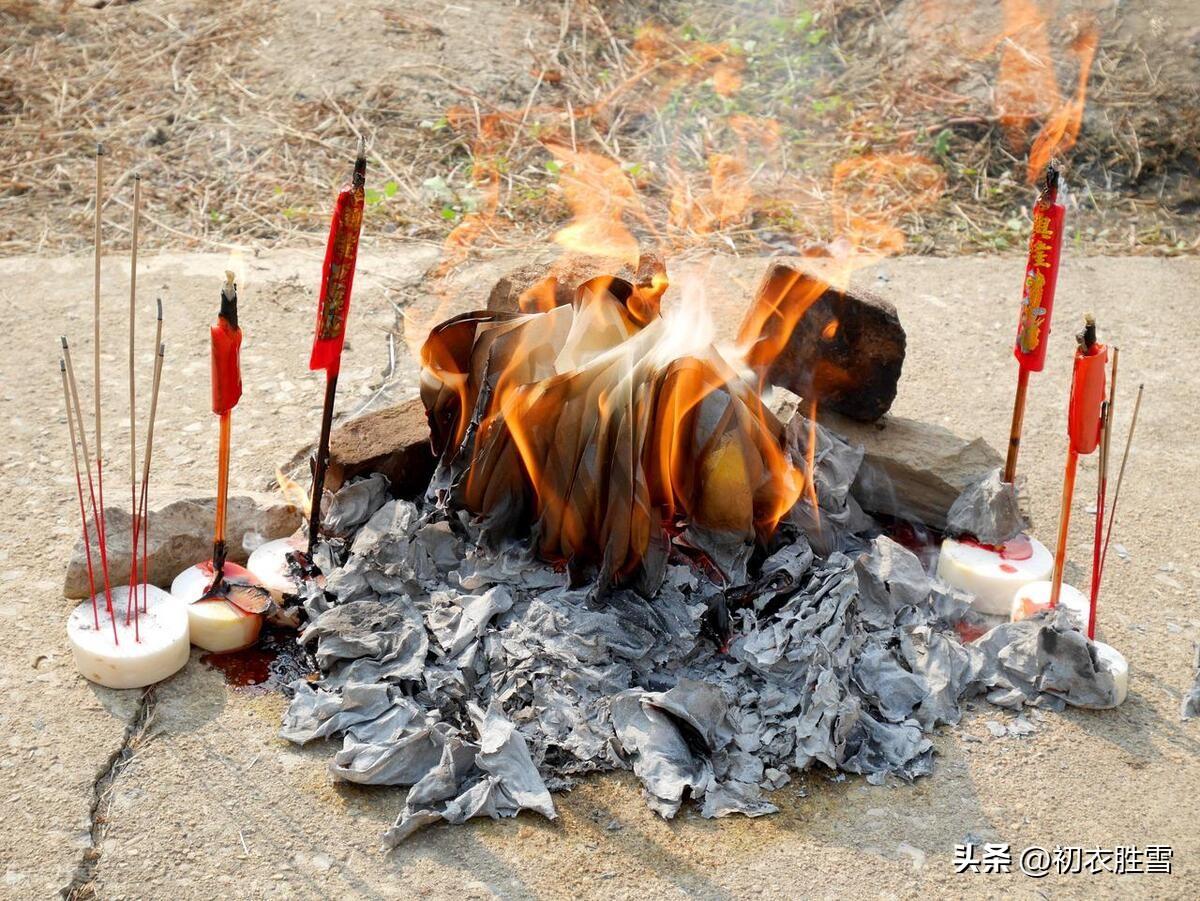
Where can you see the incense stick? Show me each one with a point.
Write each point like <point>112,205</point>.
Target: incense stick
<point>1137,405</point>
<point>101,524</point>
<point>144,503</point>
<point>87,545</point>
<point>78,411</point>
<point>134,518</point>
<point>1102,493</point>
<point>145,525</point>
<point>133,249</point>
<point>96,238</point>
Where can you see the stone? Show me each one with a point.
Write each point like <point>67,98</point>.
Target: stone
<point>846,347</point>
<point>181,534</point>
<point>393,441</point>
<point>536,287</point>
<point>913,470</point>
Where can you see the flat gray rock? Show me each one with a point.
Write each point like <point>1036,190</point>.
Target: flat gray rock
<point>181,534</point>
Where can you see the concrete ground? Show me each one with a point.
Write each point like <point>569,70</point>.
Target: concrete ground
<point>187,792</point>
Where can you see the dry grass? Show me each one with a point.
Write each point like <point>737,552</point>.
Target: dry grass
<point>728,123</point>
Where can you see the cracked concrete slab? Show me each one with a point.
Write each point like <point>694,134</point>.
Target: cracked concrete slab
<point>209,800</point>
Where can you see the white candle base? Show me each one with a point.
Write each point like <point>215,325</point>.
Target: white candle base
<point>1035,597</point>
<point>160,649</point>
<point>1118,666</point>
<point>993,576</point>
<point>215,626</point>
<point>270,566</point>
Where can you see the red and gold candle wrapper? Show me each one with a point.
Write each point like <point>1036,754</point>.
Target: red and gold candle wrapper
<point>337,275</point>
<point>226,353</point>
<point>1041,276</point>
<point>1087,398</point>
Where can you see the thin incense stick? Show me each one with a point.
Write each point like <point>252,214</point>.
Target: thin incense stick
<point>138,514</point>
<point>145,525</point>
<point>133,250</point>
<point>101,525</point>
<point>96,237</point>
<point>1137,405</point>
<point>134,518</point>
<point>144,503</point>
<point>87,545</point>
<point>78,410</point>
<point>1102,494</point>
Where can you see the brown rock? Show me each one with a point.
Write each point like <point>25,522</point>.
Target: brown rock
<point>846,348</point>
<point>912,469</point>
<point>393,441</point>
<point>181,534</point>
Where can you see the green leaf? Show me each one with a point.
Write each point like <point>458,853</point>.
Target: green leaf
<point>941,144</point>
<point>553,167</point>
<point>449,213</point>
<point>436,185</point>
<point>390,188</point>
<point>374,197</point>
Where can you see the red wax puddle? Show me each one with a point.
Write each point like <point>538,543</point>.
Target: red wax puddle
<point>1019,548</point>
<point>273,664</point>
<point>242,668</point>
<point>1007,568</point>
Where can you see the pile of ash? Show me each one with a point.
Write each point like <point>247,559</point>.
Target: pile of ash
<point>483,680</point>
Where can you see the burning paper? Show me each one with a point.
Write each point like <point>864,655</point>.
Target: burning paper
<point>607,427</point>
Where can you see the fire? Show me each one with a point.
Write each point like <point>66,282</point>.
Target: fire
<point>293,493</point>
<point>599,195</point>
<point>607,433</point>
<point>1062,128</point>
<point>1027,90</point>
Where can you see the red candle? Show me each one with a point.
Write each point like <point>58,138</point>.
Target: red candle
<point>1087,396</point>
<point>226,352</point>
<point>1041,275</point>
<point>337,275</point>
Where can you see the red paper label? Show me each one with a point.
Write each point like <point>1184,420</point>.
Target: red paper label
<point>226,366</point>
<point>1037,295</point>
<point>1087,396</point>
<point>337,279</point>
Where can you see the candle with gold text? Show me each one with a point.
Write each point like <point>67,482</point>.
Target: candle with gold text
<point>1037,302</point>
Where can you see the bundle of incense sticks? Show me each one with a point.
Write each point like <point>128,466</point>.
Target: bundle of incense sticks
<point>82,450</point>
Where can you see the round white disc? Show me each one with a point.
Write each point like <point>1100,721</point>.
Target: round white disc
<point>1035,597</point>
<point>992,576</point>
<point>1117,665</point>
<point>214,626</point>
<point>269,565</point>
<point>155,649</point>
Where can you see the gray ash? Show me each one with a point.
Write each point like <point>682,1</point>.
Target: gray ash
<point>482,679</point>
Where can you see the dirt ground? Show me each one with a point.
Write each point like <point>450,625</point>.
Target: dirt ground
<point>753,123</point>
<point>206,799</point>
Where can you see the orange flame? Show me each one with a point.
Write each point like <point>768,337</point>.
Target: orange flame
<point>599,195</point>
<point>604,428</point>
<point>1061,130</point>
<point>293,493</point>
<point>1027,90</point>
